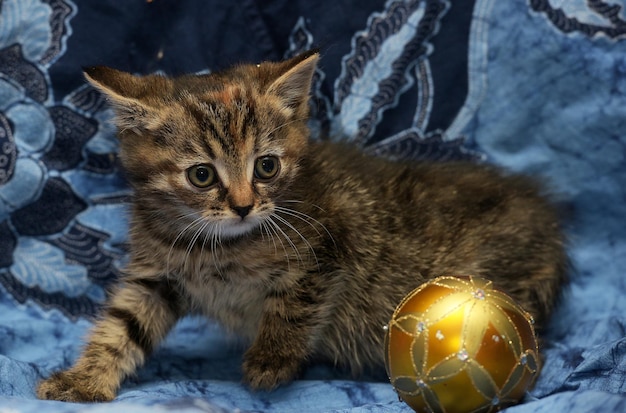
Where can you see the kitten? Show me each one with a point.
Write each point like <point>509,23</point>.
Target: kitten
<point>302,248</point>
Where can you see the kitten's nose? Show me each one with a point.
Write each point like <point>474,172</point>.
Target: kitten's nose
<point>242,211</point>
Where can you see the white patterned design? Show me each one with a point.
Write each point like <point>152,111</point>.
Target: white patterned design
<point>375,51</point>
<point>34,33</point>
<point>40,264</point>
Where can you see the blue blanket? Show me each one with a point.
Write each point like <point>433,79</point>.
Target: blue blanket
<point>535,86</point>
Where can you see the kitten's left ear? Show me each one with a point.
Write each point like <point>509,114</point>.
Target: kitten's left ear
<point>294,84</point>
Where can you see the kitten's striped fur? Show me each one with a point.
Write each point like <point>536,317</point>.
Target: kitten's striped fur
<point>304,249</point>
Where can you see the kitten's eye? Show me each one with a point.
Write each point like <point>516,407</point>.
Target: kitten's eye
<point>202,176</point>
<point>266,168</point>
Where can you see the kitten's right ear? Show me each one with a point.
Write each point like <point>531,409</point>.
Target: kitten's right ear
<point>293,84</point>
<point>135,99</point>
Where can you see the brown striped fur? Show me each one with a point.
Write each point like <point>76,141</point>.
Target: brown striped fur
<point>307,264</point>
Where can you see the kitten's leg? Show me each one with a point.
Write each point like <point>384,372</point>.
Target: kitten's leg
<point>139,314</point>
<point>283,342</point>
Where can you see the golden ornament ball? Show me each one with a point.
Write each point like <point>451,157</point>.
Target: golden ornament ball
<point>457,345</point>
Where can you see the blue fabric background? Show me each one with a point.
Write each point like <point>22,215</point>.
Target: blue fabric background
<point>536,86</point>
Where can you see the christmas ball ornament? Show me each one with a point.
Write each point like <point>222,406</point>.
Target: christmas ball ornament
<point>456,345</point>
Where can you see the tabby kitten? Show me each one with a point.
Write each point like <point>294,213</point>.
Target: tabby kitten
<point>302,248</point>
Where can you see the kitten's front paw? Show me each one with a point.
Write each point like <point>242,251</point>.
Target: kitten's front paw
<point>68,387</point>
<point>265,371</point>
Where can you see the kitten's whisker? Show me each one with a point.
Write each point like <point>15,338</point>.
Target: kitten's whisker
<point>275,235</point>
<point>261,230</point>
<point>215,240</point>
<point>269,235</point>
<point>213,247</point>
<point>294,201</point>
<point>193,240</point>
<point>287,238</point>
<point>293,213</point>
<point>204,239</point>
<point>180,234</point>
<point>220,229</point>
<point>305,217</point>
<point>209,234</point>
<point>180,217</point>
<point>187,216</point>
<point>302,237</point>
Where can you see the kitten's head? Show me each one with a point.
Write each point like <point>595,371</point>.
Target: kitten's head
<point>217,149</point>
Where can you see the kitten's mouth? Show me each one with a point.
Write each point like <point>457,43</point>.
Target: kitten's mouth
<point>236,227</point>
